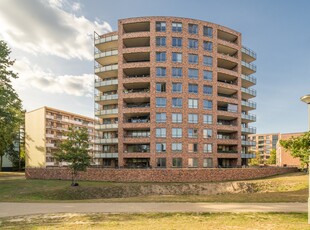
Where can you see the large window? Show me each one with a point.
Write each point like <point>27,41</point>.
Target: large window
<point>160,87</point>
<point>207,163</point>
<point>207,46</point>
<point>193,88</point>
<point>160,41</point>
<point>177,162</point>
<point>193,147</point>
<point>176,117</point>
<point>193,44</point>
<point>160,56</point>
<point>207,60</point>
<point>207,148</point>
<point>161,117</point>
<point>192,162</point>
<point>193,73</point>
<point>160,147</point>
<point>176,147</point>
<point>176,27</point>
<point>176,87</point>
<point>192,133</point>
<point>161,102</point>
<point>160,26</point>
<point>160,132</point>
<point>207,104</point>
<point>192,103</point>
<point>176,57</point>
<point>177,72</point>
<point>193,59</point>
<point>207,31</point>
<point>176,102</point>
<point>207,75</point>
<point>207,133</point>
<point>161,163</point>
<point>177,132</point>
<point>193,118</point>
<point>207,90</point>
<point>207,119</point>
<point>193,28</point>
<point>176,42</point>
<point>161,71</point>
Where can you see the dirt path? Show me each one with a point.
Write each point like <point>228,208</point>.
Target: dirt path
<point>18,209</point>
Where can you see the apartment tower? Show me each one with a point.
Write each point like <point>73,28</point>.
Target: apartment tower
<point>173,92</point>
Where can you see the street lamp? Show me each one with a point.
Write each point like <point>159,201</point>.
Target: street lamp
<point>306,99</point>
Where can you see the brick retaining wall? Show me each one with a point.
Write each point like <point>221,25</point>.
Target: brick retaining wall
<point>158,175</point>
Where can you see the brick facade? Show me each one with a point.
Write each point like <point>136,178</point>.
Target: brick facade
<point>158,175</point>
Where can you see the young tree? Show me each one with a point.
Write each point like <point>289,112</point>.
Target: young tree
<point>299,147</point>
<point>273,157</point>
<point>74,151</point>
<point>10,104</point>
<point>255,161</point>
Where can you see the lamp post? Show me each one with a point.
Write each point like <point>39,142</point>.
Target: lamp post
<point>306,99</point>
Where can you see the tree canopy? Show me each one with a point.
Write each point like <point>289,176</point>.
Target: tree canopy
<point>10,104</point>
<point>273,157</point>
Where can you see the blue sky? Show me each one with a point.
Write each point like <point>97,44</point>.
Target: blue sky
<point>52,44</point>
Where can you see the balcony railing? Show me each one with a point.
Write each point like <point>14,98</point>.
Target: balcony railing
<point>249,65</point>
<point>106,54</point>
<point>106,140</point>
<point>106,68</point>
<point>249,104</point>
<point>99,83</point>
<point>248,155</point>
<point>250,117</point>
<point>146,90</point>
<point>106,155</point>
<point>140,135</point>
<point>248,52</point>
<point>106,97</point>
<point>248,143</point>
<point>249,78</point>
<point>106,112</point>
<point>106,126</point>
<point>144,105</point>
<point>249,91</point>
<point>227,151</point>
<point>248,130</point>
<point>106,39</point>
<point>226,109</point>
<point>136,76</point>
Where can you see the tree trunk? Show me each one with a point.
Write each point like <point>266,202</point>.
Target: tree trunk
<point>1,159</point>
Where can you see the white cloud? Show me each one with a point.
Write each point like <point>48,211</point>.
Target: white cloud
<point>44,27</point>
<point>31,75</point>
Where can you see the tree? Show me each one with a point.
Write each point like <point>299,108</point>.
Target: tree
<point>255,161</point>
<point>299,147</point>
<point>273,157</point>
<point>74,151</point>
<point>10,104</point>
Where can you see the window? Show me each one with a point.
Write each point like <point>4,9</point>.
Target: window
<point>160,132</point>
<point>207,31</point>
<point>176,117</point>
<point>193,59</point>
<point>207,133</point>
<point>160,147</point>
<point>161,163</point>
<point>193,44</point>
<point>207,163</point>
<point>177,72</point>
<point>193,162</point>
<point>160,71</point>
<point>207,90</point>
<point>192,28</point>
<point>176,147</point>
<point>161,102</point>
<point>160,87</point>
<point>160,56</point>
<point>160,41</point>
<point>160,117</point>
<point>207,75</point>
<point>192,103</point>
<point>207,119</point>
<point>193,147</point>
<point>207,148</point>
<point>177,162</point>
<point>207,46</point>
<point>193,73</point>
<point>176,87</point>
<point>193,118</point>
<point>192,133</point>
<point>177,132</point>
<point>176,42</point>
<point>193,88</point>
<point>176,102</point>
<point>177,57</point>
<point>207,60</point>
<point>160,26</point>
<point>176,27</point>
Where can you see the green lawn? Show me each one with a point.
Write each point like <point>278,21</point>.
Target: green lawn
<point>154,221</point>
<point>285,188</point>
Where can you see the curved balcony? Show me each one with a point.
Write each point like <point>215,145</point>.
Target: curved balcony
<point>107,71</point>
<point>248,68</point>
<point>106,127</point>
<point>247,93</point>
<point>248,105</point>
<point>107,57</point>
<point>248,117</point>
<point>248,55</point>
<point>106,141</point>
<point>247,81</point>
<point>107,99</point>
<point>248,130</point>
<point>103,113</point>
<point>107,85</point>
<point>107,42</point>
<point>248,143</point>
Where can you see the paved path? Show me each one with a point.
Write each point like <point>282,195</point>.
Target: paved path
<point>17,209</point>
